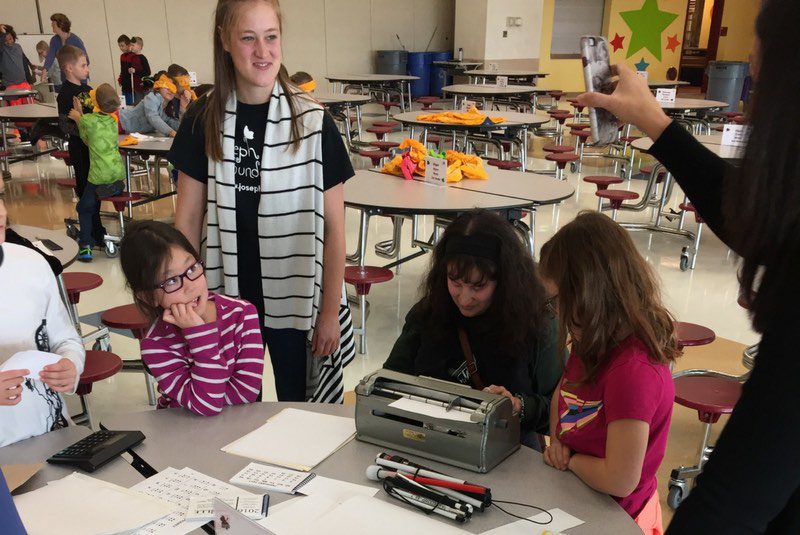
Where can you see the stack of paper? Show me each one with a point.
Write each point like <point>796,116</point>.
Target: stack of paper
<point>295,439</point>
<point>82,504</point>
<point>178,487</point>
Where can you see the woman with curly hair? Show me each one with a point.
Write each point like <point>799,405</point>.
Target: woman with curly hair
<point>484,309</point>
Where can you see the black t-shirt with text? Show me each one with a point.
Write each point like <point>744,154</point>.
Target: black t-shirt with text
<point>188,156</point>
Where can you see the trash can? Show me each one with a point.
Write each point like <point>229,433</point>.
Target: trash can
<point>439,77</point>
<point>725,81</point>
<point>391,61</point>
<point>419,64</point>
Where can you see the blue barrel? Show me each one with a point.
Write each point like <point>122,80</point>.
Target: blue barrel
<point>419,64</point>
<point>439,77</point>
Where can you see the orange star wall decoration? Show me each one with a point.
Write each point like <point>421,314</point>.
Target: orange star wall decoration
<point>672,42</point>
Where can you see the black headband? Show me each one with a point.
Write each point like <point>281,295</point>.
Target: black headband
<point>482,245</point>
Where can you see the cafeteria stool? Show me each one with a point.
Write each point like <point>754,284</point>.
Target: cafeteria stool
<point>99,365</point>
<point>710,393</point>
<point>376,156</point>
<point>435,140</point>
<point>379,131</point>
<point>130,317</point>
<point>384,145</point>
<point>689,254</point>
<point>120,202</point>
<point>427,102</point>
<point>561,160</point>
<point>388,104</point>
<point>386,124</point>
<point>581,137</point>
<point>558,148</point>
<point>75,283</point>
<point>615,198</point>
<point>602,182</point>
<point>363,277</point>
<point>505,164</point>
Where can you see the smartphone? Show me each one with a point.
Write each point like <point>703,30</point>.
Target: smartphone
<point>50,244</point>
<point>597,74</point>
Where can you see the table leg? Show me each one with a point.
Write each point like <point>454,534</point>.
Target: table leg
<point>524,156</point>
<point>128,180</point>
<point>532,227</point>
<point>3,126</point>
<point>362,253</point>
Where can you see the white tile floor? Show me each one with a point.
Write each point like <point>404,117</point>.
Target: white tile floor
<point>706,295</point>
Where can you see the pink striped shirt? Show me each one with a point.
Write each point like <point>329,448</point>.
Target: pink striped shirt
<point>207,367</point>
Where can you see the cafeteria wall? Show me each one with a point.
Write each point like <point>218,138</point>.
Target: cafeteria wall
<point>320,36</point>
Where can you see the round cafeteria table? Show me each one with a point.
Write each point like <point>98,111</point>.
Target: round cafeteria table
<point>14,94</point>
<point>686,105</point>
<point>655,84</point>
<point>526,76</point>
<point>516,126</point>
<point>402,81</point>
<point>69,247</point>
<point>488,90</point>
<point>39,449</point>
<point>25,112</point>
<point>522,477</point>
<point>712,142</point>
<point>158,148</point>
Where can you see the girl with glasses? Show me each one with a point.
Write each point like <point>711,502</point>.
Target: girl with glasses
<point>204,349</point>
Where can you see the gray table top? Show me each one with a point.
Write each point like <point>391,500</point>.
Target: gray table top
<point>340,98</point>
<point>666,83</point>
<point>512,119</point>
<point>681,104</point>
<point>177,438</point>
<point>38,449</point>
<point>456,63</point>
<point>485,90</point>
<point>540,189</point>
<point>159,147</point>
<point>28,112</point>
<point>393,194</point>
<point>69,247</point>
<point>511,73</point>
<point>11,94</point>
<point>371,78</point>
<point>712,143</point>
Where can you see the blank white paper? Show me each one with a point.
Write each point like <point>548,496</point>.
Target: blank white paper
<point>429,409</point>
<point>562,521</point>
<point>31,360</point>
<point>295,439</point>
<point>82,504</point>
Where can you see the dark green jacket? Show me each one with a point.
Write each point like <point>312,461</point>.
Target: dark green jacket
<point>533,375</point>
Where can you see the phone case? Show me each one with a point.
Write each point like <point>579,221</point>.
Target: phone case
<point>597,73</point>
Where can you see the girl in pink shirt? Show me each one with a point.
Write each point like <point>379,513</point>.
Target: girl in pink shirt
<point>610,414</point>
<point>204,349</point>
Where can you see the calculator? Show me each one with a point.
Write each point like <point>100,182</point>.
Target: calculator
<point>92,452</point>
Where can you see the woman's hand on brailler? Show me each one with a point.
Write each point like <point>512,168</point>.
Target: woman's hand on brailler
<point>60,376</point>
<point>326,334</point>
<point>11,386</point>
<point>501,390</point>
<point>557,455</point>
<point>182,316</point>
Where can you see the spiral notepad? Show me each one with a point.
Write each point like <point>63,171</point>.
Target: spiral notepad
<point>271,478</point>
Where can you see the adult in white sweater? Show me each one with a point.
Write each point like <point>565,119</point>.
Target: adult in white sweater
<point>32,316</point>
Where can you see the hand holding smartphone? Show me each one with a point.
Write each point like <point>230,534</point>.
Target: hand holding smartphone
<point>597,74</point>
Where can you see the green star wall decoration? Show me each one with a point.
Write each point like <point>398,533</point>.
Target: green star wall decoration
<point>647,25</point>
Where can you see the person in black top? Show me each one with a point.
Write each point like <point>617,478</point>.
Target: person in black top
<point>247,50</point>
<point>751,483</point>
<point>75,68</point>
<point>482,296</point>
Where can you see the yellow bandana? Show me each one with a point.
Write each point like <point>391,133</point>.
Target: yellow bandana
<point>308,86</point>
<point>184,83</point>
<point>165,82</point>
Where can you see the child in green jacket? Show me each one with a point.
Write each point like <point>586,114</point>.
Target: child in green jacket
<point>100,132</point>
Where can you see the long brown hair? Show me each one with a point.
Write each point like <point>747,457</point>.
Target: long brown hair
<point>517,313</point>
<point>607,290</point>
<point>225,77</point>
<point>762,200</point>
